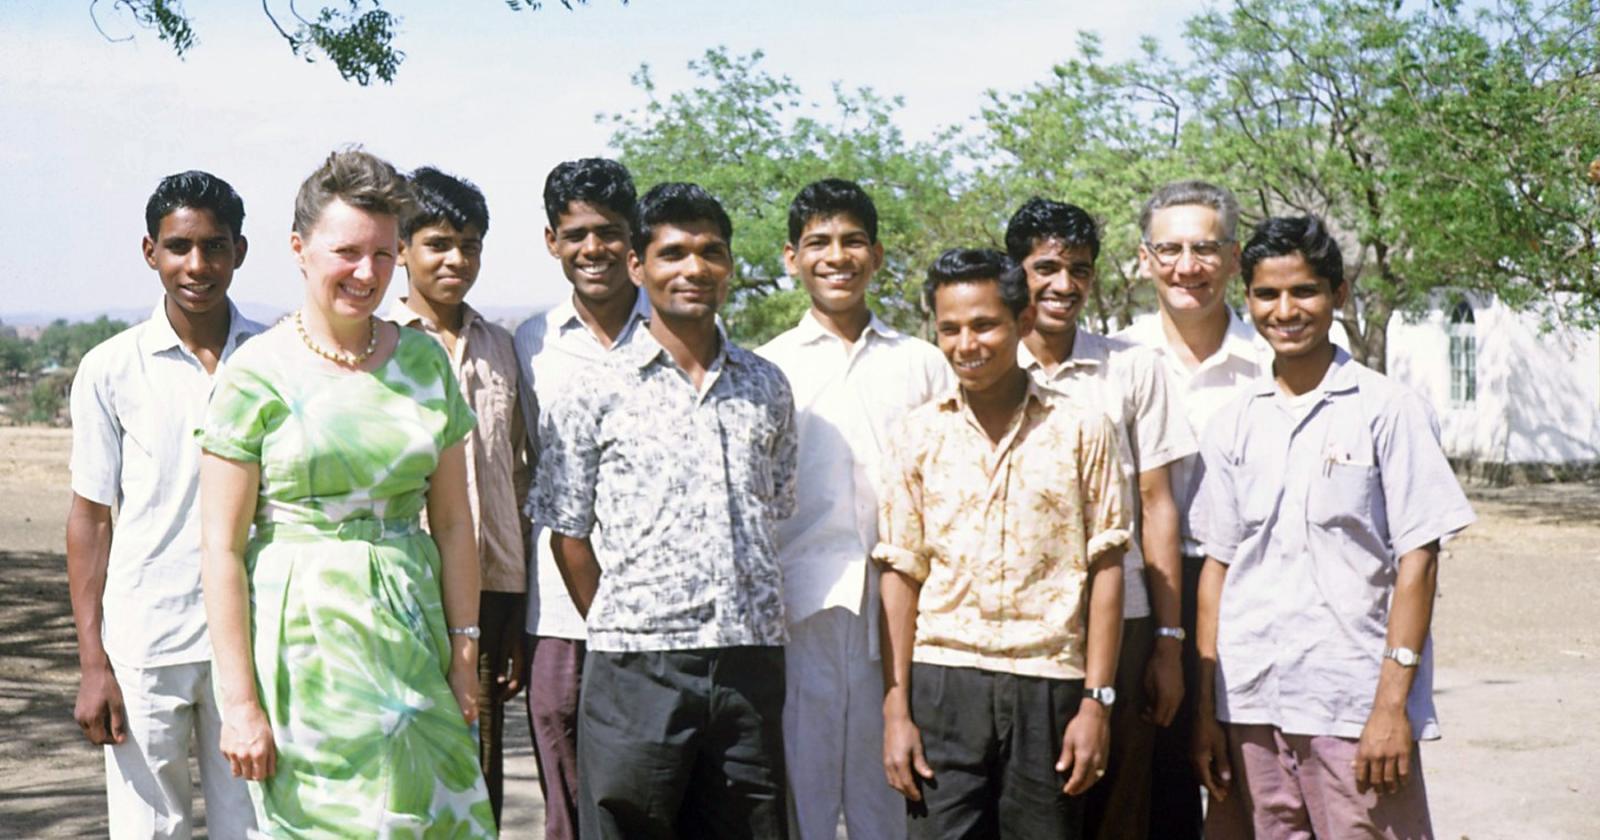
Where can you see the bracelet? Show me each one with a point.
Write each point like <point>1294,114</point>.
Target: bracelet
<point>471,631</point>
<point>1172,633</point>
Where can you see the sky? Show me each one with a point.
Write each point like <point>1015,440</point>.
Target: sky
<point>89,126</point>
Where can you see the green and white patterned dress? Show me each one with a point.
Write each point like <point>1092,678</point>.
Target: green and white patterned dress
<point>347,622</point>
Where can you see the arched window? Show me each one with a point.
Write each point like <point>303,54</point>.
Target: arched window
<point>1463,355</point>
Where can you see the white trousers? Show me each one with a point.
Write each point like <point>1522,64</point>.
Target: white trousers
<point>148,791</point>
<point>833,730</point>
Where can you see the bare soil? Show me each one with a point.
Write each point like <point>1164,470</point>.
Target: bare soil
<point>1516,635</point>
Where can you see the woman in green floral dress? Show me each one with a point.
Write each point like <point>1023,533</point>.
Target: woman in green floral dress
<point>344,635</point>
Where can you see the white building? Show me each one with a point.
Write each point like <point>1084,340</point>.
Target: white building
<point>1515,401</point>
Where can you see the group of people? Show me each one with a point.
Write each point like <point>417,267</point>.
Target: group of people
<point>1025,581</point>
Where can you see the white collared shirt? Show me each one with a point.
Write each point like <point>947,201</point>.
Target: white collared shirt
<point>1202,391</point>
<point>137,399</point>
<point>847,399</point>
<point>1130,385</point>
<point>554,347</point>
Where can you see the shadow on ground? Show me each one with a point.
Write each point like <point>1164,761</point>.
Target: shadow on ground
<point>1544,504</point>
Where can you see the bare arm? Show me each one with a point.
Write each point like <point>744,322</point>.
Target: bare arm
<point>227,504</point>
<point>99,709</point>
<point>580,571</point>
<point>1383,758</point>
<point>903,759</point>
<point>1163,564</point>
<point>1210,741</point>
<point>1085,746</point>
<point>450,521</point>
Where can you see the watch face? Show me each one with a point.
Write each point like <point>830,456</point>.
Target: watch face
<point>1405,656</point>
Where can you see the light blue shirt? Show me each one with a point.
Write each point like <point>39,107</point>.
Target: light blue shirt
<point>1311,509</point>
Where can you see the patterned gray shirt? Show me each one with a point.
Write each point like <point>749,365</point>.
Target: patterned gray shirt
<point>685,486</point>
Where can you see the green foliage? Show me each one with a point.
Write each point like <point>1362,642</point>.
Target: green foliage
<point>15,355</point>
<point>754,140</point>
<point>63,344</point>
<point>44,401</point>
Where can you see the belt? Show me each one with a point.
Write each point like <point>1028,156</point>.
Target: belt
<point>366,529</point>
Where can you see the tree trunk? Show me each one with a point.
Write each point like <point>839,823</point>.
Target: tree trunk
<point>1372,348</point>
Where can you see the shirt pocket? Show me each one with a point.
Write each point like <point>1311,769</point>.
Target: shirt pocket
<point>1342,495</point>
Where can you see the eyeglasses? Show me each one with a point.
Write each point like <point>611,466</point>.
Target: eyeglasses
<point>1208,251</point>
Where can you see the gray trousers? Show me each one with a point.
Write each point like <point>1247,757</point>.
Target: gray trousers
<point>682,744</point>
<point>992,741</point>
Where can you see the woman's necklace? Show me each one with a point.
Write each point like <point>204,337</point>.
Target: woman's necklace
<point>339,357</point>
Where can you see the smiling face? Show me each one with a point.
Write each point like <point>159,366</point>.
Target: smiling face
<point>1059,279</point>
<point>591,242</point>
<point>1292,306</point>
<point>195,256</point>
<point>1193,284</point>
<point>443,262</point>
<point>347,258</point>
<point>977,332</point>
<point>834,259</point>
<point>684,270</point>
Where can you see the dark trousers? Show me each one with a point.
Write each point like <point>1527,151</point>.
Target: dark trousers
<point>1175,790</point>
<point>682,744</point>
<point>992,741</point>
<point>1118,806</point>
<point>555,678</point>
<point>500,618</point>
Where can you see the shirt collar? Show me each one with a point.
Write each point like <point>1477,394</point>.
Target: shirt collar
<point>1088,350</point>
<point>646,349</point>
<point>954,398</point>
<point>811,330</point>
<point>158,336</point>
<point>564,315</point>
<point>1340,377</point>
<point>1241,339</point>
<point>405,316</point>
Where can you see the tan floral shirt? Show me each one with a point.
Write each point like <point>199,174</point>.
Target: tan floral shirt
<point>1001,536</point>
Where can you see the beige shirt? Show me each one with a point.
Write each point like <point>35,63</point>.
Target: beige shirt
<point>497,462</point>
<point>1001,536</point>
<point>1129,384</point>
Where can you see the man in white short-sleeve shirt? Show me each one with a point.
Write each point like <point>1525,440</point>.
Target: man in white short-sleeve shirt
<point>1056,244</point>
<point>590,207</point>
<point>1324,498</point>
<point>1189,253</point>
<point>145,690</point>
<point>853,377</point>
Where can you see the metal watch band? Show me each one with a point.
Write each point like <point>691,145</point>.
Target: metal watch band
<point>1172,633</point>
<point>471,631</point>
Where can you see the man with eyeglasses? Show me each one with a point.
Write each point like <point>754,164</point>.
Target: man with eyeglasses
<point>1190,252</point>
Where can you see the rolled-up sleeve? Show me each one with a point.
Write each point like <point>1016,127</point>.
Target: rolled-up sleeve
<point>902,544</point>
<point>1423,500</point>
<point>1215,513</point>
<point>568,465</point>
<point>1105,510</point>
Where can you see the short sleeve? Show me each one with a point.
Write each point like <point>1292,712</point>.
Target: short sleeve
<point>1162,433</point>
<point>243,407</point>
<point>567,468</point>
<point>902,544</point>
<point>459,420</point>
<point>1423,498</point>
<point>1101,488</point>
<point>1215,513</point>
<point>96,463</point>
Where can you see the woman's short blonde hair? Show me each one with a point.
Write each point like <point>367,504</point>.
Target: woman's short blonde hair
<point>356,177</point>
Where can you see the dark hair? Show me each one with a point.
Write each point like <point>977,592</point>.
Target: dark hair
<point>828,198</point>
<point>598,181</point>
<point>1184,193</point>
<point>195,190</point>
<point>1307,236</point>
<point>677,203</point>
<point>1042,219</point>
<point>978,265</point>
<point>441,198</point>
<point>356,177</point>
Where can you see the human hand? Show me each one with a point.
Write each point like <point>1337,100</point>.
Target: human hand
<point>463,680</point>
<point>903,759</point>
<point>1210,755</point>
<point>247,742</point>
<point>1163,682</point>
<point>1383,756</point>
<point>1085,747</point>
<point>99,710</point>
<point>513,666</point>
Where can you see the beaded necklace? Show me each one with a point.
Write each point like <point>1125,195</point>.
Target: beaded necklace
<point>339,357</point>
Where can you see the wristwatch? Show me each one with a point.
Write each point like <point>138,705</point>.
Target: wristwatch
<point>1104,695</point>
<point>1407,657</point>
<point>471,631</point>
<point>1172,633</point>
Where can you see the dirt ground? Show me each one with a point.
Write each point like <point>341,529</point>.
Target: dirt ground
<point>1516,634</point>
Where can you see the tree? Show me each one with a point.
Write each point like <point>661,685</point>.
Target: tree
<point>753,140</point>
<point>63,344</point>
<point>1448,148</point>
<point>358,37</point>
